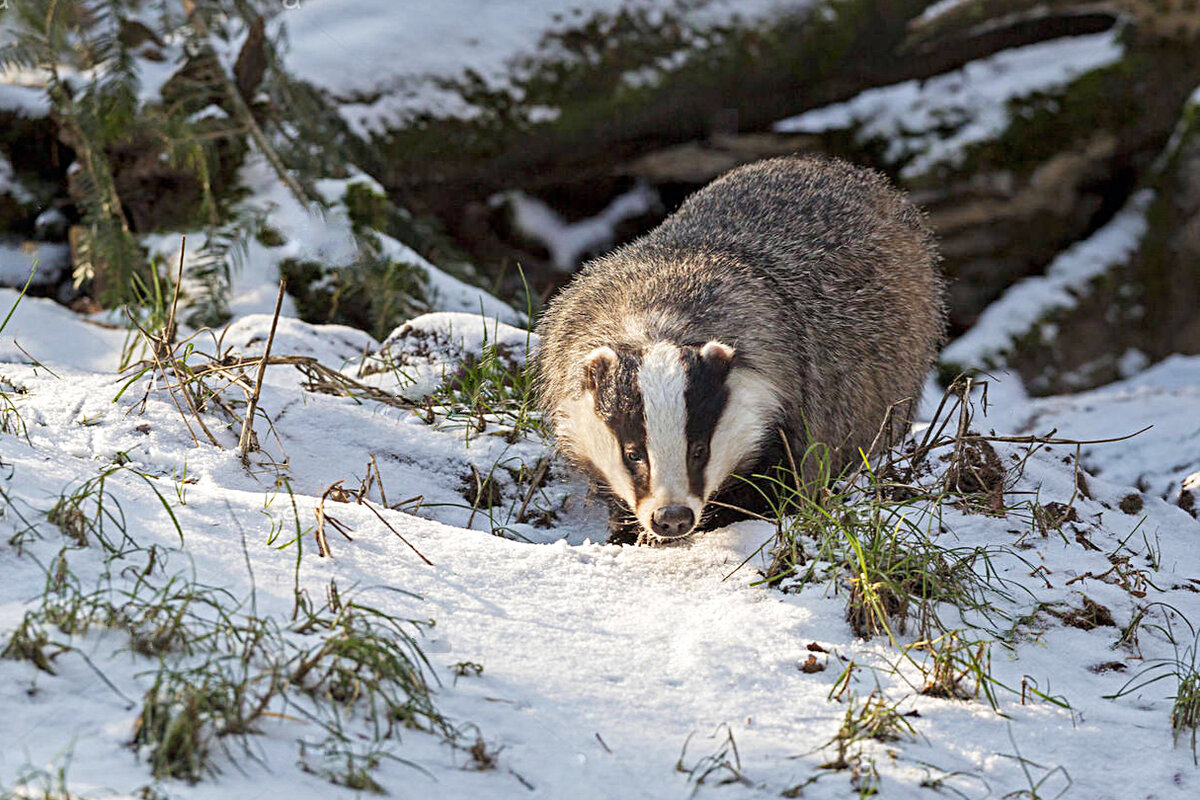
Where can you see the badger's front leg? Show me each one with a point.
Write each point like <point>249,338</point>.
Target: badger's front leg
<point>623,527</point>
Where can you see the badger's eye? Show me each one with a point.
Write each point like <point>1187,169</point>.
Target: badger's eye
<point>698,451</point>
<point>634,454</point>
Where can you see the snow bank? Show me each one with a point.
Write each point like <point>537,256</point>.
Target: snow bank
<point>18,260</point>
<point>395,53</point>
<point>570,243</point>
<point>325,237</point>
<point>1027,302</point>
<point>424,352</point>
<point>28,100</point>
<point>48,331</point>
<point>971,103</point>
<point>1165,398</point>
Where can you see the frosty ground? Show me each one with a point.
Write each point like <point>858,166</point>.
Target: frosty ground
<point>599,663</point>
<point>561,666</point>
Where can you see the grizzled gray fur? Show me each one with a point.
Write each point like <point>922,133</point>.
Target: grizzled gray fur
<point>819,275</point>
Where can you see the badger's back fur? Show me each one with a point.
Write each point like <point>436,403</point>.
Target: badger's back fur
<point>817,277</point>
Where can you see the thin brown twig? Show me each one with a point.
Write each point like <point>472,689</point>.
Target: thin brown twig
<point>538,475</point>
<point>322,518</point>
<point>925,445</point>
<point>160,351</point>
<point>362,364</point>
<point>1035,439</point>
<point>883,427</point>
<point>320,378</point>
<point>745,511</point>
<point>177,366</point>
<point>34,361</point>
<point>333,492</point>
<point>379,478</point>
<point>398,535</point>
<point>479,484</point>
<point>245,441</point>
<point>964,424</point>
<point>364,486</point>
<point>1075,482</point>
<point>399,506</point>
<point>169,333</point>
<point>237,379</point>
<point>787,448</point>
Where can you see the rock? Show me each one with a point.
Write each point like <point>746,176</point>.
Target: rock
<point>1148,305</point>
<point>998,227</point>
<point>1066,164</point>
<point>698,162</point>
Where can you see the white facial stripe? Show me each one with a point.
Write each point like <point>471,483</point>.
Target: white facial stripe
<point>580,431</point>
<point>743,426</point>
<point>662,380</point>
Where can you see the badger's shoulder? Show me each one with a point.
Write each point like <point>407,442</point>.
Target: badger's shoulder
<point>810,205</point>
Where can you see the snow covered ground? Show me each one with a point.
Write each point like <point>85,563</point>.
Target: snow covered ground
<point>571,668</point>
<point>599,662</point>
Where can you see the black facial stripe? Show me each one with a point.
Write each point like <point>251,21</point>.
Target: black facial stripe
<point>706,395</point>
<point>619,404</point>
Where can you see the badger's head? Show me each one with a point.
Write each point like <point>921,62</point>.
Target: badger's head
<point>666,426</point>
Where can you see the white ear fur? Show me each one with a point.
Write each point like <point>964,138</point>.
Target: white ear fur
<point>717,351</point>
<point>585,434</point>
<point>596,364</point>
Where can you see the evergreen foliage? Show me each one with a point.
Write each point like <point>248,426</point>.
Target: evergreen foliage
<point>167,160</point>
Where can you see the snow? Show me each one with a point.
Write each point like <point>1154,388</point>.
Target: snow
<point>9,184</point>
<point>935,10</point>
<point>1131,362</point>
<point>1029,301</point>
<point>18,260</point>
<point>326,237</point>
<point>375,56</point>
<point>16,96</point>
<point>43,326</point>
<point>607,671</point>
<point>599,662</point>
<point>419,355</point>
<point>1165,396</point>
<point>570,242</point>
<point>931,122</point>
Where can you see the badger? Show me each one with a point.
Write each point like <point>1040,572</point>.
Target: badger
<point>791,302</point>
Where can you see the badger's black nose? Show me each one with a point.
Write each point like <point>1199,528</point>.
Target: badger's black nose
<point>672,521</point>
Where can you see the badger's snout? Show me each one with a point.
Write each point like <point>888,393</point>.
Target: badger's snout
<point>671,522</point>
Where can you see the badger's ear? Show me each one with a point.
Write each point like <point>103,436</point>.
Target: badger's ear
<point>598,365</point>
<point>717,355</point>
